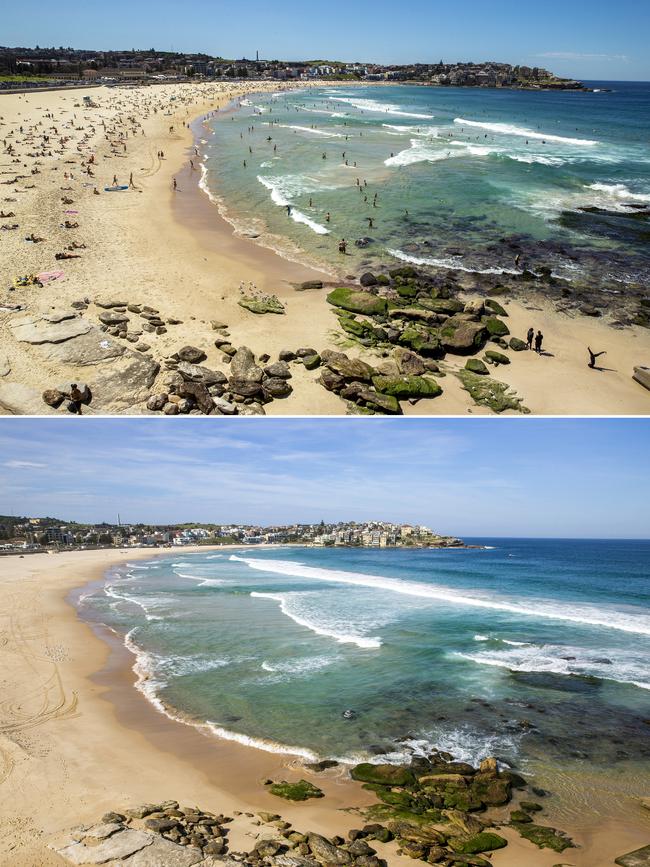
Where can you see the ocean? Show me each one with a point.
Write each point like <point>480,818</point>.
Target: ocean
<point>479,180</point>
<point>536,651</point>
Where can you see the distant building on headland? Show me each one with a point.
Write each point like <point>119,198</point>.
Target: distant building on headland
<point>29,534</point>
<point>47,66</point>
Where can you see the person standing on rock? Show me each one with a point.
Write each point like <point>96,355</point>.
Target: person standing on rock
<point>529,337</point>
<point>539,339</point>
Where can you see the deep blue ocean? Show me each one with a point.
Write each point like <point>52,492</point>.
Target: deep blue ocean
<point>460,175</point>
<point>537,651</point>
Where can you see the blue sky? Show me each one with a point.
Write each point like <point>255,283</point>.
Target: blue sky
<point>491,477</point>
<point>581,38</point>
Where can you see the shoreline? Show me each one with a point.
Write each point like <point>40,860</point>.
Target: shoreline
<point>74,744</point>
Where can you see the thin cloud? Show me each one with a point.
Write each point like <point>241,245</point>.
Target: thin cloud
<point>24,465</point>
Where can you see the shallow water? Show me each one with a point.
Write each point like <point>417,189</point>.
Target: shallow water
<point>536,651</point>
<point>459,172</point>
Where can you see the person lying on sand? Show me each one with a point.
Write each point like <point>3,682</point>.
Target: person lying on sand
<point>69,225</point>
<point>7,228</point>
<point>34,239</point>
<point>8,214</point>
<point>66,256</point>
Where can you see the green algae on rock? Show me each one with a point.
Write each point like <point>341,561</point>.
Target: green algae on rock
<point>300,791</point>
<point>485,391</point>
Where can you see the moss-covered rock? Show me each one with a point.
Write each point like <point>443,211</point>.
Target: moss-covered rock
<point>485,391</point>
<point>476,366</point>
<point>406,290</point>
<point>384,403</point>
<point>422,341</point>
<point>531,806</point>
<point>311,362</point>
<point>267,304</point>
<point>357,302</point>
<point>403,387</point>
<point>518,345</point>
<point>543,836</point>
<point>393,797</point>
<point>485,841</point>
<point>442,305</point>
<point>461,337</point>
<point>495,307</point>
<point>494,357</point>
<point>383,775</point>
<point>495,327</point>
<point>357,328</point>
<point>299,791</point>
<point>520,816</point>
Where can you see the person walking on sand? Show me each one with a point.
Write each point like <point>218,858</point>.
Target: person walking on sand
<point>539,339</point>
<point>131,184</point>
<point>343,246</point>
<point>175,185</point>
<point>593,356</point>
<point>530,337</point>
<point>114,180</point>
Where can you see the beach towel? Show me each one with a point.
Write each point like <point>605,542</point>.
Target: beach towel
<point>47,276</point>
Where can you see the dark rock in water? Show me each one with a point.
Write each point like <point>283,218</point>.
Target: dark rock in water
<point>349,714</point>
<point>562,683</point>
<point>323,765</point>
<point>192,354</point>
<point>363,242</point>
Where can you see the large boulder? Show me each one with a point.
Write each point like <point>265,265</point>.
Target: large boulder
<point>484,841</point>
<point>349,368</point>
<point>462,337</point>
<point>403,387</point>
<point>408,363</point>
<point>326,852</point>
<point>384,403</point>
<point>357,302</point>
<point>495,327</point>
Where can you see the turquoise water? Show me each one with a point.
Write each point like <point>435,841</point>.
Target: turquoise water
<point>528,649</point>
<point>465,178</point>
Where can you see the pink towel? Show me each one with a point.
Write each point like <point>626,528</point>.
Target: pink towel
<point>46,276</point>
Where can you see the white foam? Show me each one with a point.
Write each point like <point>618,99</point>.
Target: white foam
<point>452,264</point>
<point>310,130</point>
<point>296,667</point>
<point>280,199</point>
<point>620,192</point>
<point>262,743</point>
<point>342,637</point>
<point>584,615</point>
<point>623,667</point>
<point>522,132</point>
<point>381,107</point>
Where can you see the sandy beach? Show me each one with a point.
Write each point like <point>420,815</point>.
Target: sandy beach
<point>170,251</point>
<point>71,724</point>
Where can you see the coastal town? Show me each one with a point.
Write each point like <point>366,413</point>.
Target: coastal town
<point>47,67</point>
<point>38,534</point>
